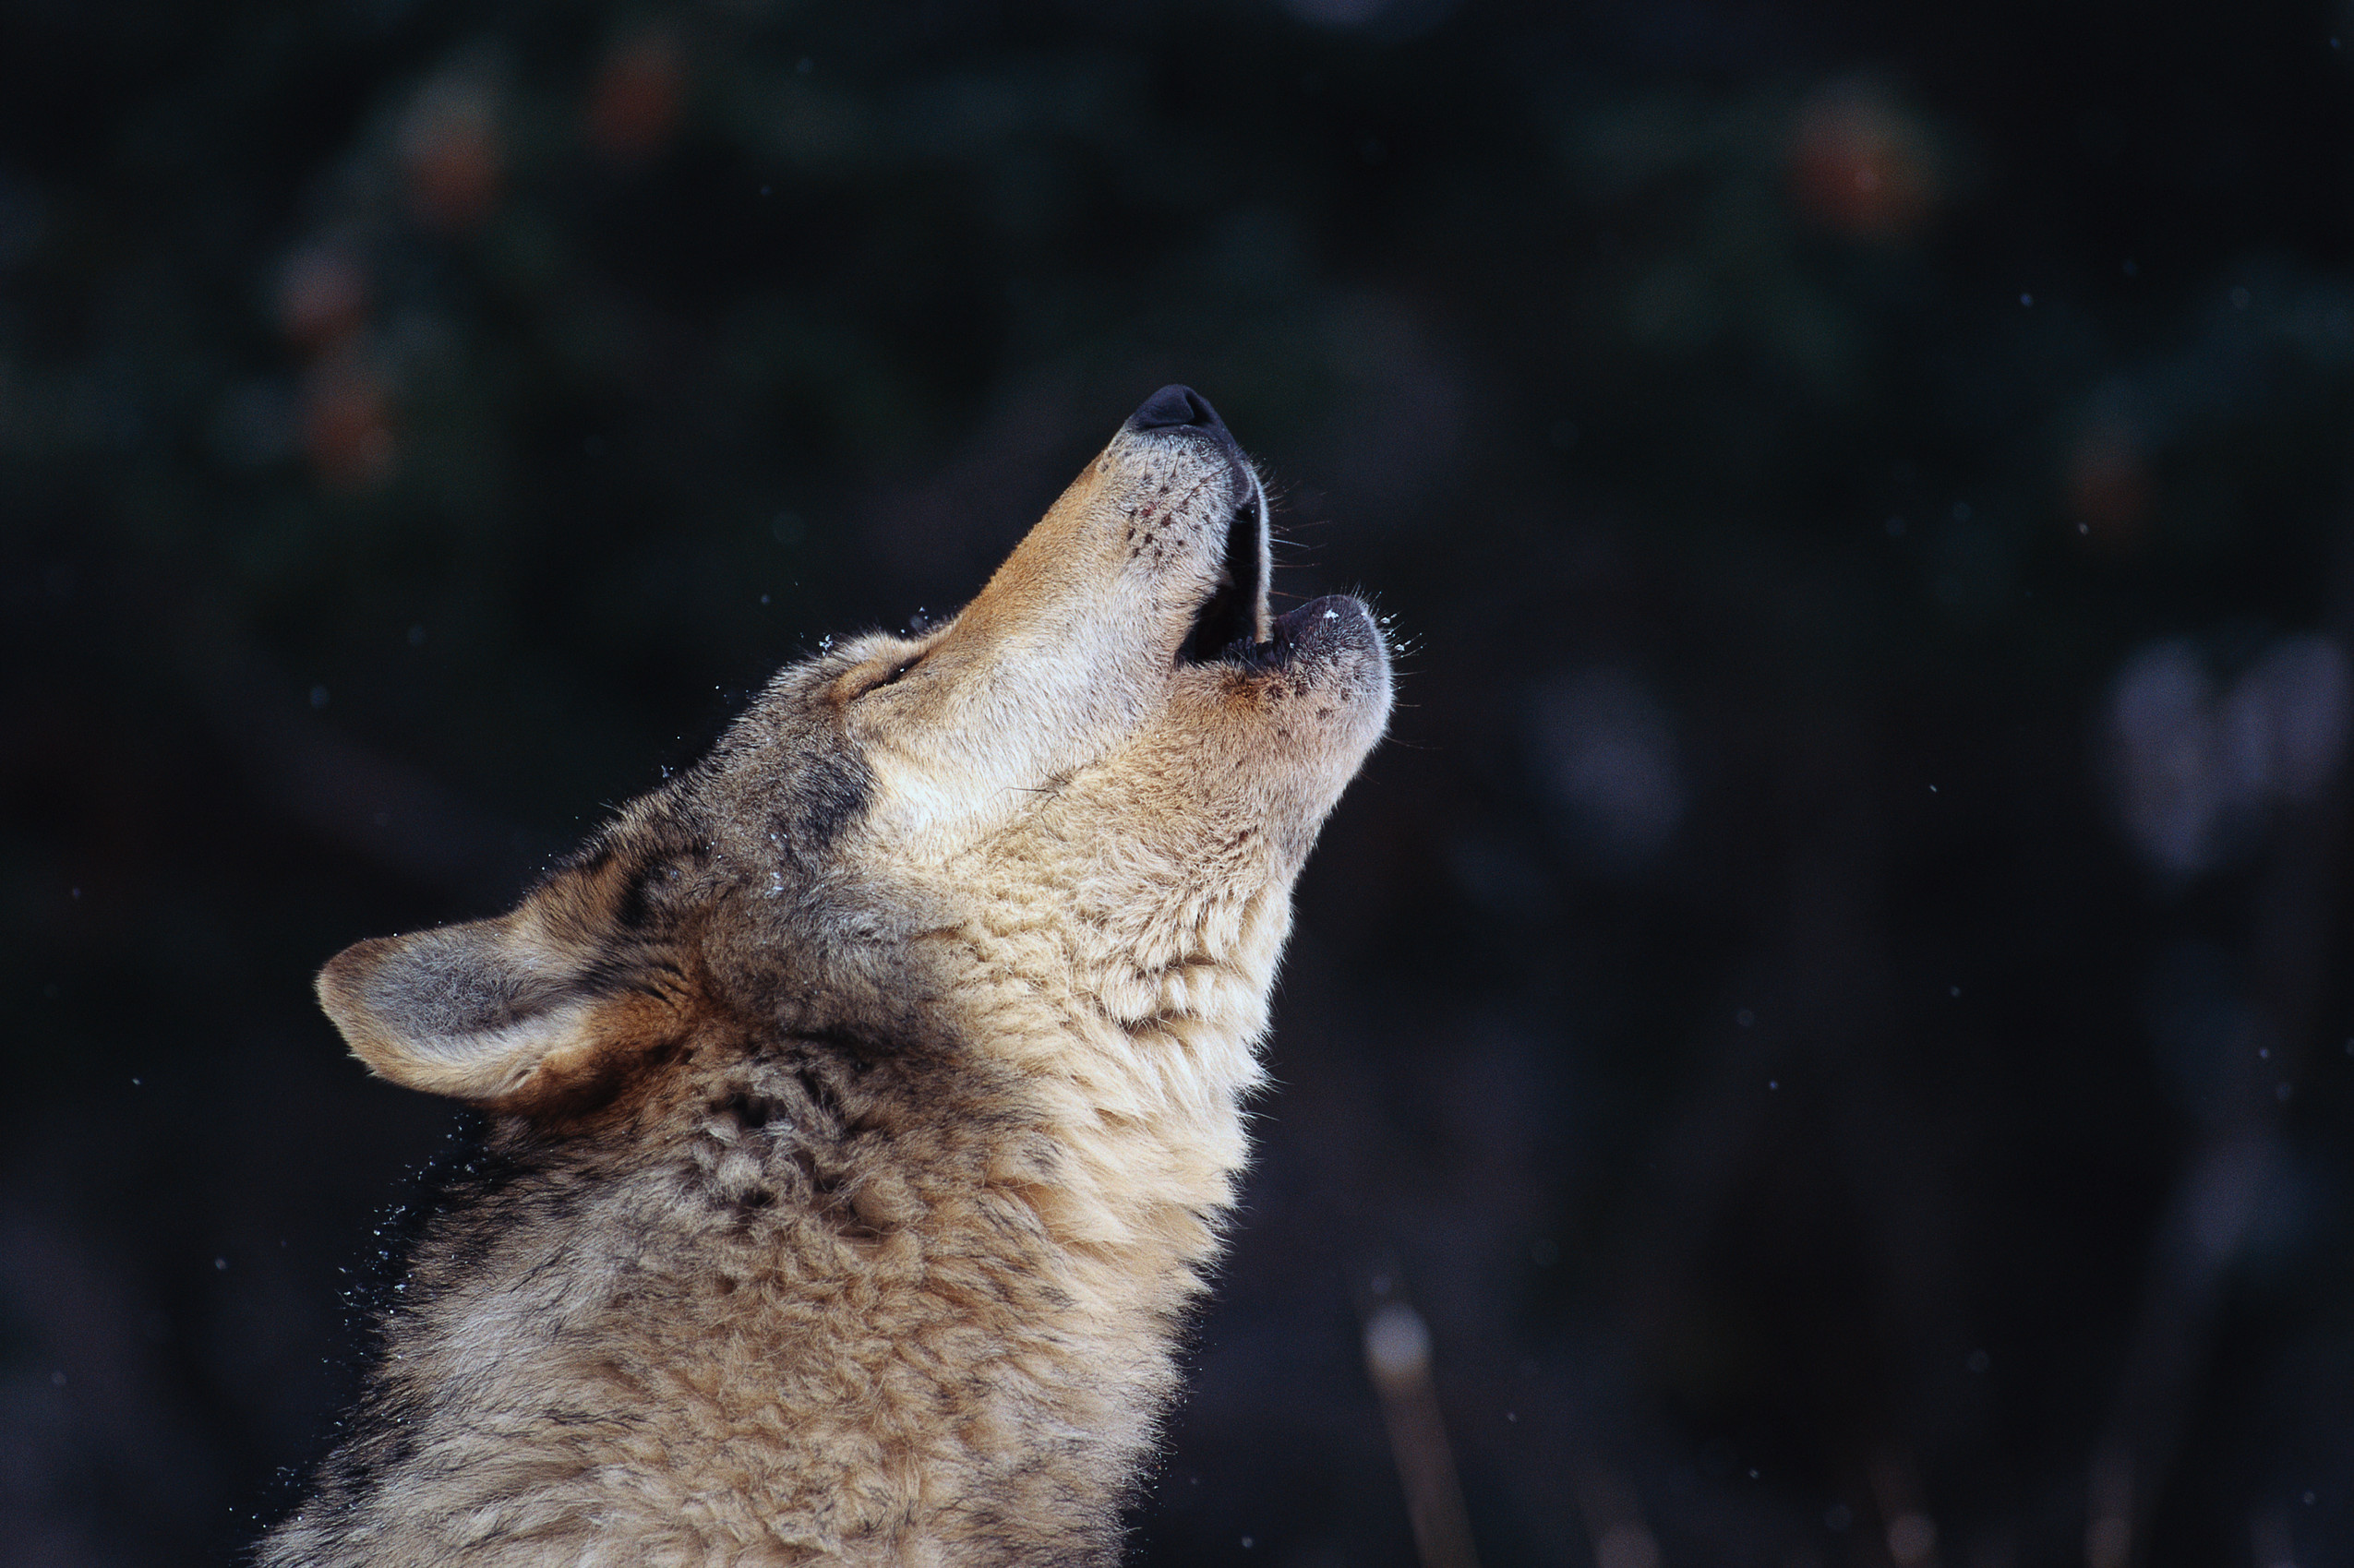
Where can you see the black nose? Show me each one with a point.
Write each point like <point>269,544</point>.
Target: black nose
<point>1172,407</point>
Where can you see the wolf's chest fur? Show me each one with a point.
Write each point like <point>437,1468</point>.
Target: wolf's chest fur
<point>865,1103</point>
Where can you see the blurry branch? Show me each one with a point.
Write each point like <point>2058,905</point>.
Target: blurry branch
<point>2196,1242</point>
<point>1397,1360</point>
<point>2224,1185</point>
<point>1826,1012</point>
<point>1614,1520</point>
<point>1912,1534</point>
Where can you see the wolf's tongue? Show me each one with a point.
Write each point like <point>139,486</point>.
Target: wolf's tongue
<point>1246,561</point>
<point>1236,611</point>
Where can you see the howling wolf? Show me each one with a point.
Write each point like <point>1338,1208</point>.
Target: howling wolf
<point>863,1104</point>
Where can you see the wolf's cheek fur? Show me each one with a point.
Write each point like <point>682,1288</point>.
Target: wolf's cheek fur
<point>1166,866</point>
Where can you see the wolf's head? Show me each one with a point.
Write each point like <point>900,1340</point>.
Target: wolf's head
<point>1088,794</point>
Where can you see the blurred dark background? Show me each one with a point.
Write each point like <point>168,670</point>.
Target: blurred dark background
<point>1831,1005</point>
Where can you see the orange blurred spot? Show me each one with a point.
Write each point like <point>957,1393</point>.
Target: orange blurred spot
<point>2109,484</point>
<point>1860,165</point>
<point>322,296</point>
<point>347,423</point>
<point>450,151</point>
<point>634,106</point>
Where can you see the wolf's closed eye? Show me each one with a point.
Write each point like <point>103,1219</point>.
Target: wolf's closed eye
<point>894,673</point>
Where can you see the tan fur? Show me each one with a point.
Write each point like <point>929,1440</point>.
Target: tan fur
<point>864,1104</point>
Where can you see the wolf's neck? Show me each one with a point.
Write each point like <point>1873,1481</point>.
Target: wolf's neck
<point>1137,1069</point>
<point>973,1268</point>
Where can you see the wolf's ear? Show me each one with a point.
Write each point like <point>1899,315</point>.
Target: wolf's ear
<point>502,1014</point>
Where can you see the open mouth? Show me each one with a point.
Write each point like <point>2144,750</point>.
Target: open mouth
<point>1232,622</point>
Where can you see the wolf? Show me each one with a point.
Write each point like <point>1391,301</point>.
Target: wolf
<point>863,1106</point>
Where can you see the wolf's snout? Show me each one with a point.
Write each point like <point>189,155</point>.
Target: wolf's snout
<point>1178,407</point>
